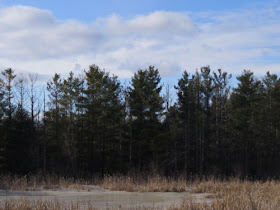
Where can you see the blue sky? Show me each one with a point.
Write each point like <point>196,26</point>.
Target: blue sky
<point>122,36</point>
<point>89,10</point>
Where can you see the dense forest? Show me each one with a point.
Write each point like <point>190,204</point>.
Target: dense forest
<point>91,124</point>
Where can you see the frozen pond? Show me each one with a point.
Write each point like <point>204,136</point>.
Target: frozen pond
<point>103,199</point>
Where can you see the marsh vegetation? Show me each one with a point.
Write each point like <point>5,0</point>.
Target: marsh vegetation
<point>194,193</point>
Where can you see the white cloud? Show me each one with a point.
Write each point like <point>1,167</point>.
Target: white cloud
<point>34,40</point>
<point>21,17</point>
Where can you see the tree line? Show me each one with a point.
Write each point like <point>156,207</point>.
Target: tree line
<point>91,124</point>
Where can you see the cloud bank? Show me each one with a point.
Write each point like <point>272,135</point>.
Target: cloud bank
<point>33,40</point>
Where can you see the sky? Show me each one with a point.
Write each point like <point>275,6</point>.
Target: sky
<point>122,36</point>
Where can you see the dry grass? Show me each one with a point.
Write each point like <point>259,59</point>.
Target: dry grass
<point>40,182</point>
<point>50,205</point>
<point>236,194</point>
<point>135,183</point>
<point>144,184</point>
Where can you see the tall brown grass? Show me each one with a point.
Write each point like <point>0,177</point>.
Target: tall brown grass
<point>40,182</point>
<point>38,205</point>
<point>236,194</point>
<point>144,183</point>
<point>132,183</point>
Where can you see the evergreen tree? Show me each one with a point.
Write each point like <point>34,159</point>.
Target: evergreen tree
<point>9,128</point>
<point>22,158</point>
<point>270,124</point>
<point>245,104</point>
<point>9,76</point>
<point>219,122</point>
<point>205,136</point>
<point>185,103</point>
<point>71,88</point>
<point>191,105</point>
<point>104,112</point>
<point>54,124</point>
<point>3,107</point>
<point>146,106</point>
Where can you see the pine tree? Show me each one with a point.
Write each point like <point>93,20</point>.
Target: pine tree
<point>71,88</point>
<point>205,137</point>
<point>8,84</point>
<point>191,103</point>
<point>219,121</point>
<point>185,104</point>
<point>146,106</point>
<point>269,123</point>
<point>245,101</point>
<point>9,76</point>
<point>54,124</point>
<point>104,112</point>
<point>3,107</point>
